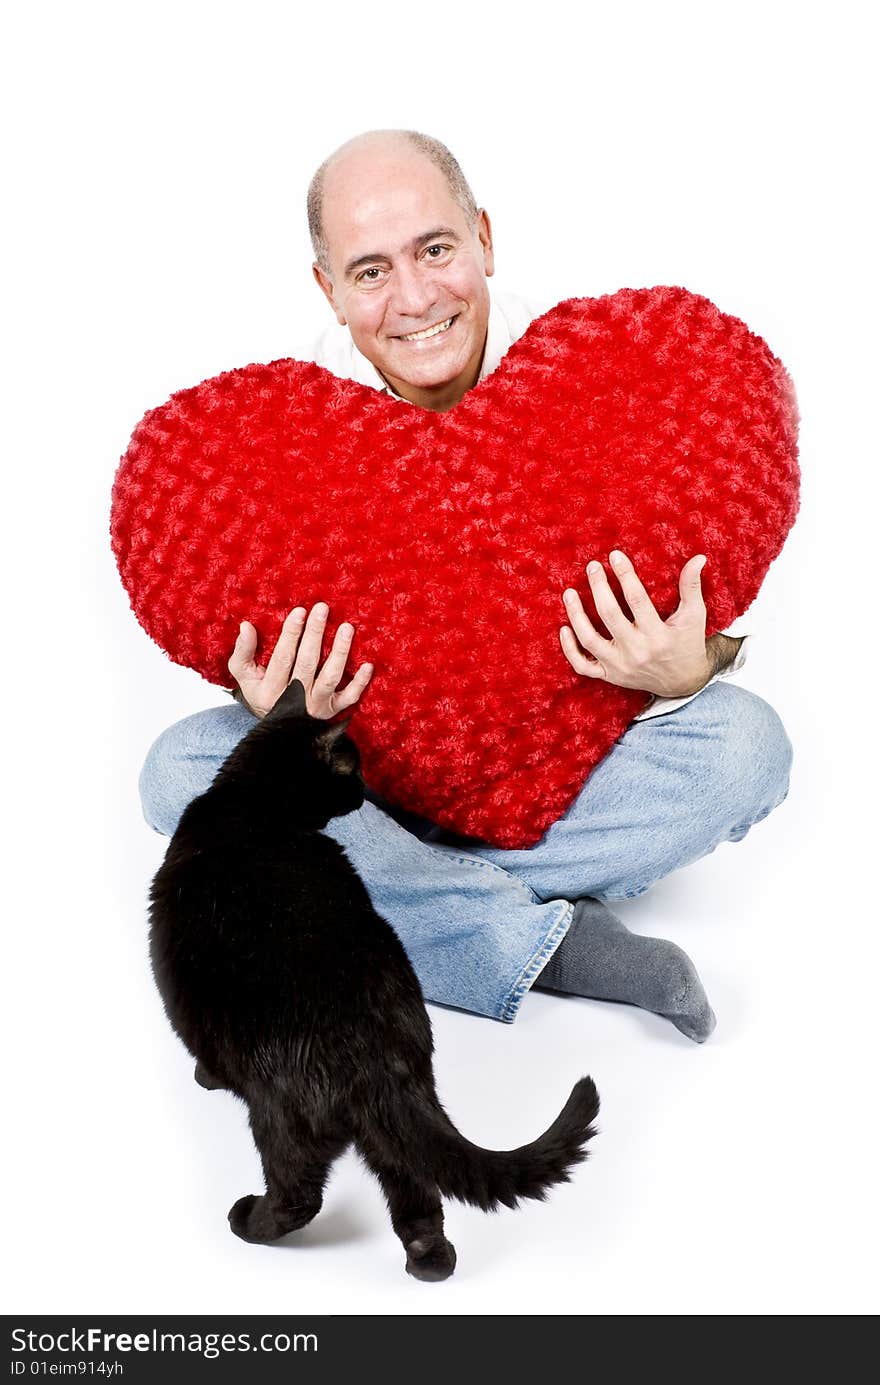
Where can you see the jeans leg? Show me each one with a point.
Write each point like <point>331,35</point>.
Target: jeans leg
<point>476,935</point>
<point>668,792</point>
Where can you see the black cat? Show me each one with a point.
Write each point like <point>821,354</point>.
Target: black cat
<point>293,993</point>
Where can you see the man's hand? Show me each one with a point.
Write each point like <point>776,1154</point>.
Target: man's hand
<point>667,658</point>
<point>296,655</point>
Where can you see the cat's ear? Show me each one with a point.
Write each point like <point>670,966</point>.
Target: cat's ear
<point>330,735</point>
<point>344,759</point>
<point>292,702</point>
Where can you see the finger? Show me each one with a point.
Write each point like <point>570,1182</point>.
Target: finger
<point>583,627</point>
<point>580,662</point>
<point>334,665</point>
<point>638,600</point>
<point>607,604</point>
<point>278,667</point>
<point>309,651</point>
<point>690,587</point>
<point>350,695</point>
<point>241,661</point>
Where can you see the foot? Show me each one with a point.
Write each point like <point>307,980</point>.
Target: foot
<point>601,959</point>
<point>430,1258</point>
<point>261,1221</point>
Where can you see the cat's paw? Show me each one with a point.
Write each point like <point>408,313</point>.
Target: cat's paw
<point>260,1221</point>
<point>430,1259</point>
<point>207,1079</point>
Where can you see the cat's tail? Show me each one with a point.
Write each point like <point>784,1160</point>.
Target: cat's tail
<point>486,1177</point>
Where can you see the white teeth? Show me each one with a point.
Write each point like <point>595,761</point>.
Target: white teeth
<point>429,331</point>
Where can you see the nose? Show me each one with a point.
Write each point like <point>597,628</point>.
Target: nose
<point>414,295</point>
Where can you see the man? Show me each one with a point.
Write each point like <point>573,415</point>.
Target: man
<point>403,256</point>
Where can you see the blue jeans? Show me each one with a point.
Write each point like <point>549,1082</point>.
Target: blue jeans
<point>479,922</point>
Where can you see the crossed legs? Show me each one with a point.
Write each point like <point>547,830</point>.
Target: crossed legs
<point>482,924</point>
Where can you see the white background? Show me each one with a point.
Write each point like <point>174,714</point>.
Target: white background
<point>157,162</point>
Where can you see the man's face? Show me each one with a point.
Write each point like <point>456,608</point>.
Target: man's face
<point>403,259</point>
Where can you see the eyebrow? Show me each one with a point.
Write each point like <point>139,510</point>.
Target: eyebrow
<point>413,245</point>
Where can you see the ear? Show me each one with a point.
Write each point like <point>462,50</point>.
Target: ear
<point>328,738</point>
<point>484,233</point>
<point>325,284</point>
<point>292,702</point>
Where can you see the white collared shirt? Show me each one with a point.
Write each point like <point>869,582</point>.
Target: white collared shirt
<point>509,316</point>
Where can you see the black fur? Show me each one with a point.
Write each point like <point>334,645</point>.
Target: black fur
<point>293,993</point>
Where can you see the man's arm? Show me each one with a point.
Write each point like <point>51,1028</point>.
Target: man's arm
<point>721,650</point>
<point>725,658</point>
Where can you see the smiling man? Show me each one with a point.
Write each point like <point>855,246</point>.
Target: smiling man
<point>403,255</point>
<point>404,265</point>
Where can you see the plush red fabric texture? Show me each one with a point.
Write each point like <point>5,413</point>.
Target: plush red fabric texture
<point>646,420</point>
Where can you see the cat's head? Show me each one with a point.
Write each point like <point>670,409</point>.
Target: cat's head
<point>328,763</point>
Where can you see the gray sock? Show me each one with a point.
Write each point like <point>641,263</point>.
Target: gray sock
<point>601,959</point>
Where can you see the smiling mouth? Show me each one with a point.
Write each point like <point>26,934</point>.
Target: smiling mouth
<point>436,331</point>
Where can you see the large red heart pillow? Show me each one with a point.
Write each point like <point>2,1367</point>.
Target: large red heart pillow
<point>645,420</point>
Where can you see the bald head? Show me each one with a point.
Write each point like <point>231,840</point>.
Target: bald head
<point>359,158</point>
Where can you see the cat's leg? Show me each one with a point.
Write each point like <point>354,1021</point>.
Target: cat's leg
<point>417,1218</point>
<point>295,1165</point>
<point>264,1218</point>
<point>416,1215</point>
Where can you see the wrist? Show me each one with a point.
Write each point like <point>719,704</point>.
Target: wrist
<point>701,677</point>
<point>721,651</point>
<point>239,697</point>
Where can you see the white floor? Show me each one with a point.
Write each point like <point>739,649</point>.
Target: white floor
<point>734,1177</point>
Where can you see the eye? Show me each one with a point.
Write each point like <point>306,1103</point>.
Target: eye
<point>374,269</point>
<point>437,246</point>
